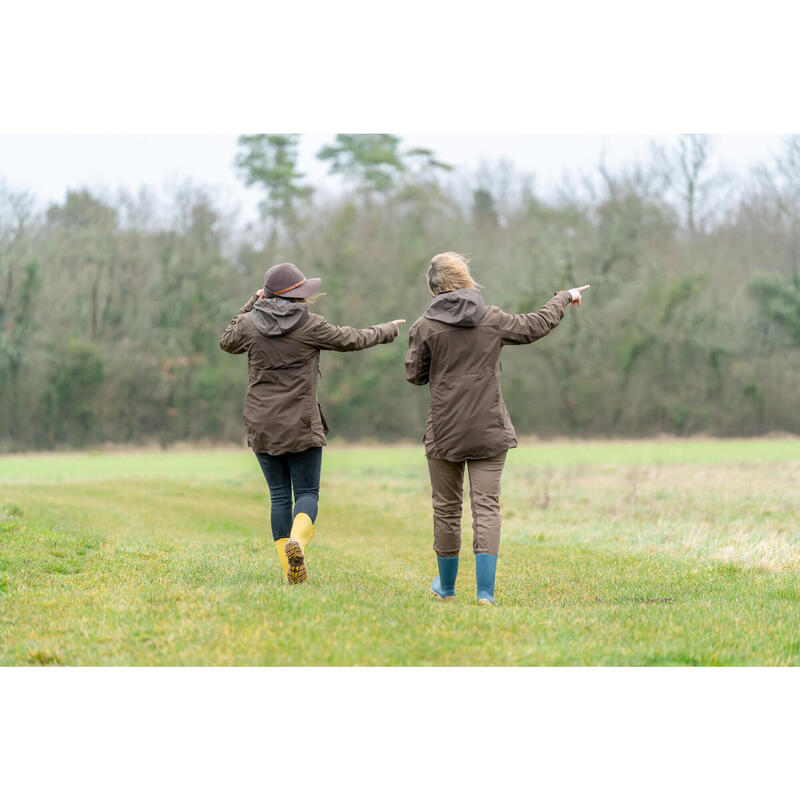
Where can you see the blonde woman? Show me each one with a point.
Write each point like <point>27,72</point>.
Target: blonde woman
<point>282,416</point>
<point>455,346</point>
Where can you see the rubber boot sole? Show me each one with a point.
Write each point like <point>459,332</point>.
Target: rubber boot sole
<point>297,571</point>
<point>484,602</point>
<point>436,596</point>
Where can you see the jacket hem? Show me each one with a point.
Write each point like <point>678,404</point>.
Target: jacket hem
<point>431,452</point>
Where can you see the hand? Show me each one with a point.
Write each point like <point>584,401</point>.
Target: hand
<point>260,293</point>
<point>575,294</point>
<point>397,323</point>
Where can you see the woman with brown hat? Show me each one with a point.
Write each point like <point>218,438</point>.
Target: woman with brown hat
<point>455,346</point>
<point>282,416</point>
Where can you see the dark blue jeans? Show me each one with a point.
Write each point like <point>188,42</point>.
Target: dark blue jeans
<point>291,471</point>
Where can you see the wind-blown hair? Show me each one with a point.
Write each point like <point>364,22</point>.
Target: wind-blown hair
<point>449,271</point>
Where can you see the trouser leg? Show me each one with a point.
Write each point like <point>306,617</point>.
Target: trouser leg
<point>276,472</point>
<point>484,495</point>
<point>447,486</point>
<point>305,469</point>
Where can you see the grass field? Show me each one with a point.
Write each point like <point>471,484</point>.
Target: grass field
<point>612,553</point>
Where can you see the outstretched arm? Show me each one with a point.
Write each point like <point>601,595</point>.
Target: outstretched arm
<point>341,337</point>
<point>527,328</point>
<point>233,338</point>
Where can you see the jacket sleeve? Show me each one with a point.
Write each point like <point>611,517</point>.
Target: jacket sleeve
<point>418,358</point>
<point>233,339</point>
<point>527,328</point>
<point>334,337</point>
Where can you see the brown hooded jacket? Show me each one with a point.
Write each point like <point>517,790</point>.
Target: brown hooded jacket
<point>282,341</point>
<point>456,347</point>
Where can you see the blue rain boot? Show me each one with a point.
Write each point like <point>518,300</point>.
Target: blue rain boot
<point>444,584</point>
<point>485,568</point>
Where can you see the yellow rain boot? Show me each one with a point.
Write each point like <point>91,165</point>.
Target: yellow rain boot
<point>302,529</point>
<point>280,547</point>
<point>302,533</point>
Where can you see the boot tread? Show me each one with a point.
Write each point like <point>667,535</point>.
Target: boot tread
<point>297,571</point>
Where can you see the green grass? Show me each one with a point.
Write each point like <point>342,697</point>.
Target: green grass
<point>612,553</point>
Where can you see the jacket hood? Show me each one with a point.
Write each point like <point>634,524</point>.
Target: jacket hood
<point>462,307</point>
<point>274,316</point>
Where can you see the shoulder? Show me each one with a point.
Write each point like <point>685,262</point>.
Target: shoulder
<point>245,323</point>
<point>492,316</point>
<point>422,328</point>
<point>314,323</point>
<point>315,320</point>
<point>416,325</point>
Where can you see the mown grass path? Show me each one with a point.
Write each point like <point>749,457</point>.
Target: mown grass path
<point>620,553</point>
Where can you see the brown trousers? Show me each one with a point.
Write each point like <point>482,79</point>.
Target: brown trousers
<point>447,484</point>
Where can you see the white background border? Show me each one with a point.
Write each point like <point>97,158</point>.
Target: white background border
<point>434,67</point>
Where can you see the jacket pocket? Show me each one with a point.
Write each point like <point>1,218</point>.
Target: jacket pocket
<point>325,427</point>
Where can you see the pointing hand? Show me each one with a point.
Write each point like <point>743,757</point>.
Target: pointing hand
<point>575,294</point>
<point>397,323</point>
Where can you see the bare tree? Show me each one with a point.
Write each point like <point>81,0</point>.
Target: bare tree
<point>16,211</point>
<point>694,151</point>
<point>686,168</point>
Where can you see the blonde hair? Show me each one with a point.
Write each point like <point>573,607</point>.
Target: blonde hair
<point>449,271</point>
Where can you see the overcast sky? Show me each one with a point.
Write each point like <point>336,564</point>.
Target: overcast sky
<point>49,164</point>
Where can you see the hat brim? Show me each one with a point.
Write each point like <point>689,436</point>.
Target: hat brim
<point>311,286</point>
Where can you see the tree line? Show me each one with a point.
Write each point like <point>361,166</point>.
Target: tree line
<point>111,305</point>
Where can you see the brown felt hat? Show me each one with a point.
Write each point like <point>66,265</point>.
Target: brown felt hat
<point>286,280</point>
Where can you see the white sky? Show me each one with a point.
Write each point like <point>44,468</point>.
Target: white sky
<point>49,164</point>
